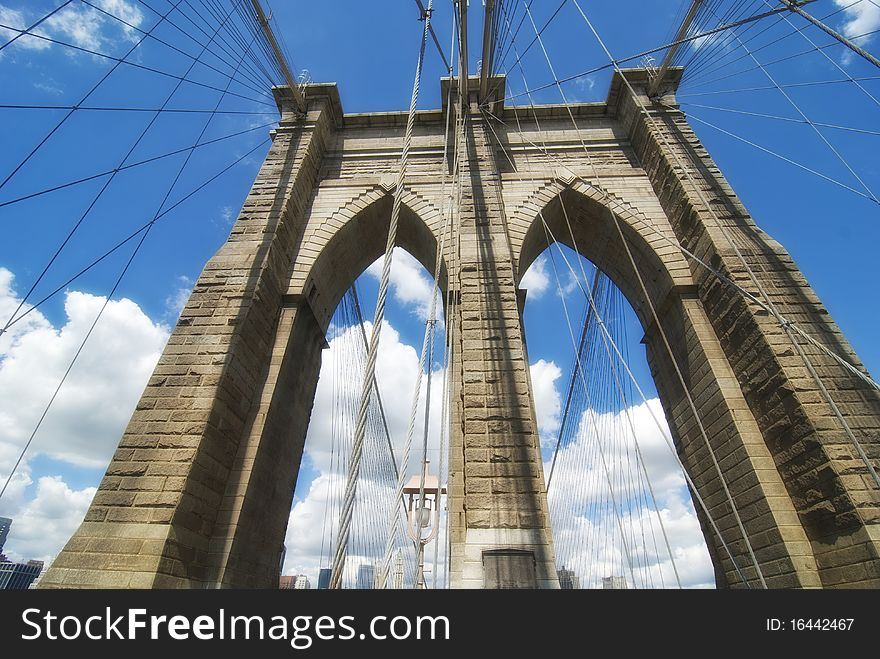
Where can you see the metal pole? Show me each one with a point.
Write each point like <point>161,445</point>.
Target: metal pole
<point>837,35</point>
<point>279,56</point>
<point>488,38</point>
<point>681,34</point>
<point>434,36</point>
<point>463,54</point>
<point>682,38</point>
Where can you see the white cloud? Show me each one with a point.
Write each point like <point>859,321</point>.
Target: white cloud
<point>409,282</point>
<point>587,519</point>
<point>308,535</point>
<point>536,280</point>
<point>585,83</point>
<point>86,421</point>
<point>547,399</point>
<point>16,19</point>
<point>90,413</point>
<point>175,302</point>
<point>41,526</point>
<point>77,23</point>
<point>861,18</point>
<point>328,440</point>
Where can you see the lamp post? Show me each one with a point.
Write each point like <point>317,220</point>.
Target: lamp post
<point>422,514</point>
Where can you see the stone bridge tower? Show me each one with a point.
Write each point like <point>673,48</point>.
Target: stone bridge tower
<point>199,490</point>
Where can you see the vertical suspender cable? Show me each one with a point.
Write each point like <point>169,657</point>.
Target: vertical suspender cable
<point>360,428</point>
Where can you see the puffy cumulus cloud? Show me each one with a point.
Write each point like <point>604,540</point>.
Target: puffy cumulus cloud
<point>598,534</point>
<point>536,280</point>
<point>43,524</point>
<point>96,401</point>
<point>177,300</point>
<point>16,19</point>
<point>547,399</point>
<point>860,18</point>
<point>410,282</point>
<point>93,27</point>
<point>309,533</point>
<point>580,538</point>
<point>88,416</point>
<point>314,516</point>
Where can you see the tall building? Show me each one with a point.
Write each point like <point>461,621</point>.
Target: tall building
<point>366,577</point>
<point>324,578</point>
<point>5,523</point>
<point>614,583</point>
<point>19,576</point>
<point>397,582</point>
<point>294,582</point>
<point>568,580</point>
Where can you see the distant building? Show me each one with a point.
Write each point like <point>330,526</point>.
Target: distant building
<point>324,578</point>
<point>568,580</point>
<point>15,576</point>
<point>397,582</point>
<point>19,576</point>
<point>366,577</point>
<point>5,523</point>
<point>294,582</point>
<point>614,583</point>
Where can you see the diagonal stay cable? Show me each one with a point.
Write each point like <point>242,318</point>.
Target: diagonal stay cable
<point>358,441</point>
<point>108,182</point>
<point>761,289</point>
<point>778,60</point>
<point>110,295</point>
<point>832,61</point>
<point>244,11</point>
<point>790,85</point>
<point>180,50</point>
<point>723,278</point>
<point>790,161</point>
<point>139,163</point>
<point>807,119</point>
<point>772,42</point>
<point>775,117</point>
<point>29,30</point>
<point>96,108</point>
<point>135,233</point>
<point>143,67</point>
<point>82,345</point>
<point>666,343</point>
<point>638,56</point>
<point>251,24</point>
<point>221,44</point>
<point>82,100</point>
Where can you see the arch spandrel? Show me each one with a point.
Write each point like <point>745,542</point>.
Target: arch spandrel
<point>336,249</point>
<point>588,210</point>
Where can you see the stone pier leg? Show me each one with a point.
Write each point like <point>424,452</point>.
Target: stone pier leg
<point>836,500</point>
<point>170,511</point>
<point>777,538</point>
<point>499,523</point>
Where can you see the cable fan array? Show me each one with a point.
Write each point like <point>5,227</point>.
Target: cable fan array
<point>607,526</point>
<point>343,370</point>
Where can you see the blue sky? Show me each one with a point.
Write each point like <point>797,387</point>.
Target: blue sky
<point>369,50</point>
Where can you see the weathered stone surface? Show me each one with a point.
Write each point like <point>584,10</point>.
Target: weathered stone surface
<point>199,490</point>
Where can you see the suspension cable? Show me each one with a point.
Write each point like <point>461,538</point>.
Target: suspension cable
<point>358,442</point>
<point>805,358</point>
<point>106,302</point>
<point>97,197</point>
